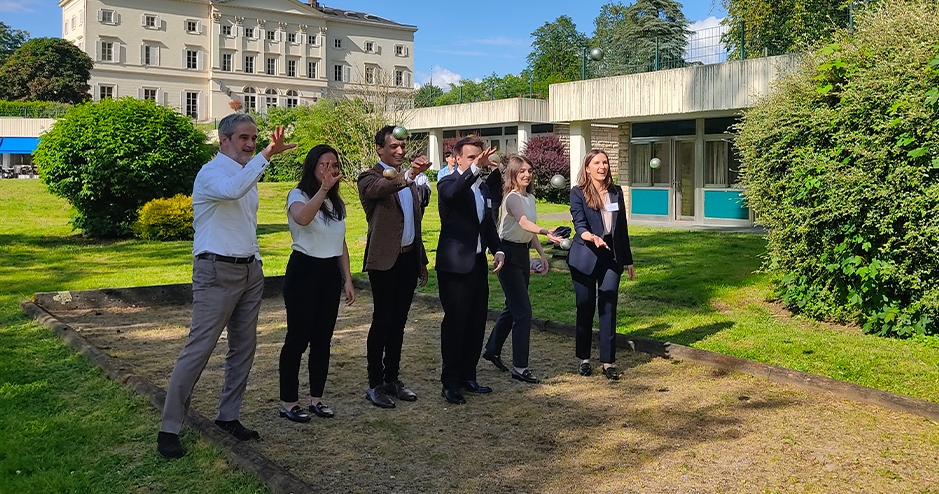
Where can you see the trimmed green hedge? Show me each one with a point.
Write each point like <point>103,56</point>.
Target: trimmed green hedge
<point>32,109</point>
<point>841,163</point>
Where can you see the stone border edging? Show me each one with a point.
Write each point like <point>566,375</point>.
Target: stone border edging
<point>241,454</point>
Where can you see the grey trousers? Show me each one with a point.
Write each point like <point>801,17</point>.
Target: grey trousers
<point>223,294</point>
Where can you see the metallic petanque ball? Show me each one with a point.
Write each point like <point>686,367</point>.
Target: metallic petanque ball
<point>399,132</point>
<point>655,163</point>
<point>390,173</point>
<point>558,181</point>
<point>566,244</point>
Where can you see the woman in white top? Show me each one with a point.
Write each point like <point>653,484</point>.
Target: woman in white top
<point>317,271</point>
<point>518,233</point>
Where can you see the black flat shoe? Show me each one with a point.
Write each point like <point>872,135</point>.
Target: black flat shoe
<point>169,447</point>
<point>525,376</point>
<point>453,395</point>
<point>321,410</point>
<point>295,414</point>
<point>475,387</point>
<point>585,369</point>
<point>235,428</point>
<point>611,373</point>
<point>496,361</point>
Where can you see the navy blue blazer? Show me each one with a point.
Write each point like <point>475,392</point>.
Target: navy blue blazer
<point>583,255</point>
<point>460,227</point>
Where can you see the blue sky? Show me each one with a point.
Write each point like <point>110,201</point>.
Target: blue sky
<point>494,36</point>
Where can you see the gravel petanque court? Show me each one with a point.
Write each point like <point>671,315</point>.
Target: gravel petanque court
<point>667,426</point>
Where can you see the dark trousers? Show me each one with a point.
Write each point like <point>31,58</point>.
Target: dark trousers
<point>516,317</point>
<point>392,293</point>
<point>312,287</point>
<point>597,290</point>
<point>465,300</point>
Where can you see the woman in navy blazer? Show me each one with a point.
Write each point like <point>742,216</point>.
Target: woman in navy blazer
<point>599,253</point>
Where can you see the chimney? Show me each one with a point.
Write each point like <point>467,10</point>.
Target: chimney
<point>314,4</point>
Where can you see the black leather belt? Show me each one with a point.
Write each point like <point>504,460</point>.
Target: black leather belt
<point>229,259</point>
<point>407,248</point>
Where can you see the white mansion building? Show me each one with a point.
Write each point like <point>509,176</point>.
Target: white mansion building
<point>202,55</point>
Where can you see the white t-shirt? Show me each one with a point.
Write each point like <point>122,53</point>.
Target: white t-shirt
<point>320,238</point>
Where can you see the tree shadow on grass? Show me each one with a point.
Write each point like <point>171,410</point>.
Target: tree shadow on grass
<point>685,336</point>
<point>269,228</point>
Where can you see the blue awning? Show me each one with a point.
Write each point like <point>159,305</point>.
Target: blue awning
<point>18,145</point>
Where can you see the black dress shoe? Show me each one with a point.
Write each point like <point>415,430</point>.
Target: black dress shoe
<point>169,447</point>
<point>379,398</point>
<point>611,373</point>
<point>399,391</point>
<point>321,410</point>
<point>585,369</point>
<point>526,376</point>
<point>475,387</point>
<point>496,361</point>
<point>295,414</point>
<point>453,395</point>
<point>235,428</point>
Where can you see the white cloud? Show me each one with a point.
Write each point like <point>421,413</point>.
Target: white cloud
<point>440,76</point>
<point>501,41</point>
<point>17,5</point>
<point>704,43</point>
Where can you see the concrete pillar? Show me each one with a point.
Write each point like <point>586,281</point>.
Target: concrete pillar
<point>524,135</point>
<point>580,144</point>
<point>435,148</point>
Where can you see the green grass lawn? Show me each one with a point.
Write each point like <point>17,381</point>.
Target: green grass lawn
<point>65,427</point>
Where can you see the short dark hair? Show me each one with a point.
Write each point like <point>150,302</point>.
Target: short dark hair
<point>467,141</point>
<point>447,154</point>
<point>383,134</point>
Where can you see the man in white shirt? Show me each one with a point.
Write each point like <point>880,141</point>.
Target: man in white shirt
<point>227,280</point>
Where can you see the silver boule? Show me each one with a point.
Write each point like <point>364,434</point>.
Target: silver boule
<point>399,132</point>
<point>566,244</point>
<point>390,173</point>
<point>558,181</point>
<point>655,163</point>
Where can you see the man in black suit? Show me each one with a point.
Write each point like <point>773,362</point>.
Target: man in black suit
<point>467,230</point>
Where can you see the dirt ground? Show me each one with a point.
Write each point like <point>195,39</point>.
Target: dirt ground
<point>666,427</point>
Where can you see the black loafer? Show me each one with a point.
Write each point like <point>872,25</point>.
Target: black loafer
<point>585,369</point>
<point>322,410</point>
<point>525,376</point>
<point>235,428</point>
<point>169,447</point>
<point>295,414</point>
<point>611,373</point>
<point>475,387</point>
<point>496,361</point>
<point>453,395</point>
<point>400,391</point>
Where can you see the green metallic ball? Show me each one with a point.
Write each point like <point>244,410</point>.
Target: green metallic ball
<point>399,132</point>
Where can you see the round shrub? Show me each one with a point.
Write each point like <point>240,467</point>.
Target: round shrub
<point>841,163</point>
<point>109,158</point>
<point>165,219</point>
<point>546,154</point>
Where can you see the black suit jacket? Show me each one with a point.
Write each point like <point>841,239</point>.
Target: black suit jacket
<point>583,255</point>
<point>460,228</point>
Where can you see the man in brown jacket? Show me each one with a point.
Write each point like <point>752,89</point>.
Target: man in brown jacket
<point>395,261</point>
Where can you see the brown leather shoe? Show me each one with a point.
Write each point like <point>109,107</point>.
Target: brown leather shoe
<point>400,392</point>
<point>379,398</point>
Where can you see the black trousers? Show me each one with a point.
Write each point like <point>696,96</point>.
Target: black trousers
<point>598,290</point>
<point>392,294</point>
<point>465,300</point>
<point>312,287</point>
<point>516,317</point>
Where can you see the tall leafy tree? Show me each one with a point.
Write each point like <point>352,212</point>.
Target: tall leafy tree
<point>647,35</point>
<point>774,27</point>
<point>556,51</point>
<point>426,95</point>
<point>46,69</point>
<point>10,40</point>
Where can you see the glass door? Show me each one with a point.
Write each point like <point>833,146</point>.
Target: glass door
<point>683,180</point>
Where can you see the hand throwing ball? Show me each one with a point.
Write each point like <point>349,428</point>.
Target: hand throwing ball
<point>558,181</point>
<point>399,132</point>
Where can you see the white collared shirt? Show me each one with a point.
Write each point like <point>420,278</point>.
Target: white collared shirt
<point>405,198</point>
<point>225,207</point>
<point>480,205</point>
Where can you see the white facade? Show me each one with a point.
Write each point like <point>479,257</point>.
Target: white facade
<point>202,55</point>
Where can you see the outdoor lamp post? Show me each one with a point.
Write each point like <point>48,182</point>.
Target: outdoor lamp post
<point>595,54</point>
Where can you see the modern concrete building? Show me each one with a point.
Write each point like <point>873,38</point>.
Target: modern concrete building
<point>681,116</point>
<point>206,56</point>
<point>19,137</point>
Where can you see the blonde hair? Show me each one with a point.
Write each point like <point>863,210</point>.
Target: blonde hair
<point>511,174</point>
<point>591,193</point>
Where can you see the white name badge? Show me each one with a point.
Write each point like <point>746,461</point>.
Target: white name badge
<point>489,203</point>
<point>613,206</point>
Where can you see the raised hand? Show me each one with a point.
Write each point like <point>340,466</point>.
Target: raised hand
<point>329,180</point>
<point>419,165</point>
<point>277,144</point>
<point>483,159</point>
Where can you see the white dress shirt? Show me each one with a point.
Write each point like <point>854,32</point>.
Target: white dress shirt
<point>480,205</point>
<point>225,207</point>
<point>407,208</point>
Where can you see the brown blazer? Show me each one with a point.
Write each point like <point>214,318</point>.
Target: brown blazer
<point>379,197</point>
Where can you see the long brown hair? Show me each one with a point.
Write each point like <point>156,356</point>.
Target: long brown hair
<point>594,200</point>
<point>511,174</point>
